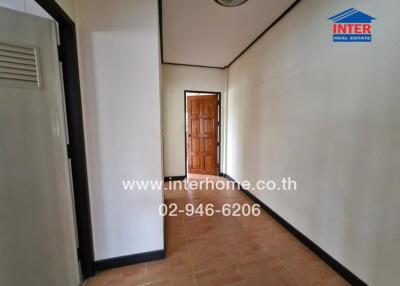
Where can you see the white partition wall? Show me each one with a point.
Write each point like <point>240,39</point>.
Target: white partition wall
<point>120,67</point>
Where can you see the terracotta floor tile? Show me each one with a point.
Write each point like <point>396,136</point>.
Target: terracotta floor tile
<point>207,262</point>
<point>259,266</point>
<point>298,257</point>
<point>316,273</point>
<point>129,275</point>
<point>183,280</point>
<point>176,265</point>
<point>224,251</point>
<point>276,276</point>
<point>336,281</point>
<point>225,276</point>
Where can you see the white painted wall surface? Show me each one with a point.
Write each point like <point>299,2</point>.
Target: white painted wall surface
<point>18,5</point>
<point>25,6</point>
<point>328,115</point>
<point>31,7</point>
<point>120,72</point>
<point>177,79</point>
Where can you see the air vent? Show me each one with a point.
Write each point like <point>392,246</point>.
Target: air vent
<point>19,66</point>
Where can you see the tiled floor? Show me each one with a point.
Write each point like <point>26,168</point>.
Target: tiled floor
<point>224,251</point>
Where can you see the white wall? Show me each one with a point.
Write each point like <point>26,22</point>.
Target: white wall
<point>177,79</point>
<point>26,6</point>
<point>328,115</point>
<point>31,7</point>
<point>120,71</point>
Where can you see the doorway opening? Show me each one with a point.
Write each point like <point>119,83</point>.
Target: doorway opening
<point>202,132</point>
<point>68,56</point>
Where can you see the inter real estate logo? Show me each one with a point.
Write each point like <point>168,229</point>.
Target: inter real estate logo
<point>352,26</point>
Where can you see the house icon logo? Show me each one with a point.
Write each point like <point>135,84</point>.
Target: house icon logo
<point>352,26</point>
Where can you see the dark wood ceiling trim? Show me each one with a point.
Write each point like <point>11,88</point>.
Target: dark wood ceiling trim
<point>160,16</point>
<point>196,66</point>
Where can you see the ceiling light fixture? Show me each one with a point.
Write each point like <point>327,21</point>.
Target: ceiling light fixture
<point>230,3</point>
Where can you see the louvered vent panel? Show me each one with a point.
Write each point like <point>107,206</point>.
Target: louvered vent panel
<point>18,66</point>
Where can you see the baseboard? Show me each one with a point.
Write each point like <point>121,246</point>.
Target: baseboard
<point>328,259</point>
<point>129,259</point>
<point>231,179</point>
<point>174,178</point>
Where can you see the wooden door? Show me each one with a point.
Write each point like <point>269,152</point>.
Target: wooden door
<point>202,134</point>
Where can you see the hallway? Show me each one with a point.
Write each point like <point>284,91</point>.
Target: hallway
<point>219,250</point>
<point>111,110</point>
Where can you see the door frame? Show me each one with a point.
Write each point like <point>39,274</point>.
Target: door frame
<point>68,54</point>
<point>219,102</point>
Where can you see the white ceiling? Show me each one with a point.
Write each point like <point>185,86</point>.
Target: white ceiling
<point>201,32</point>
